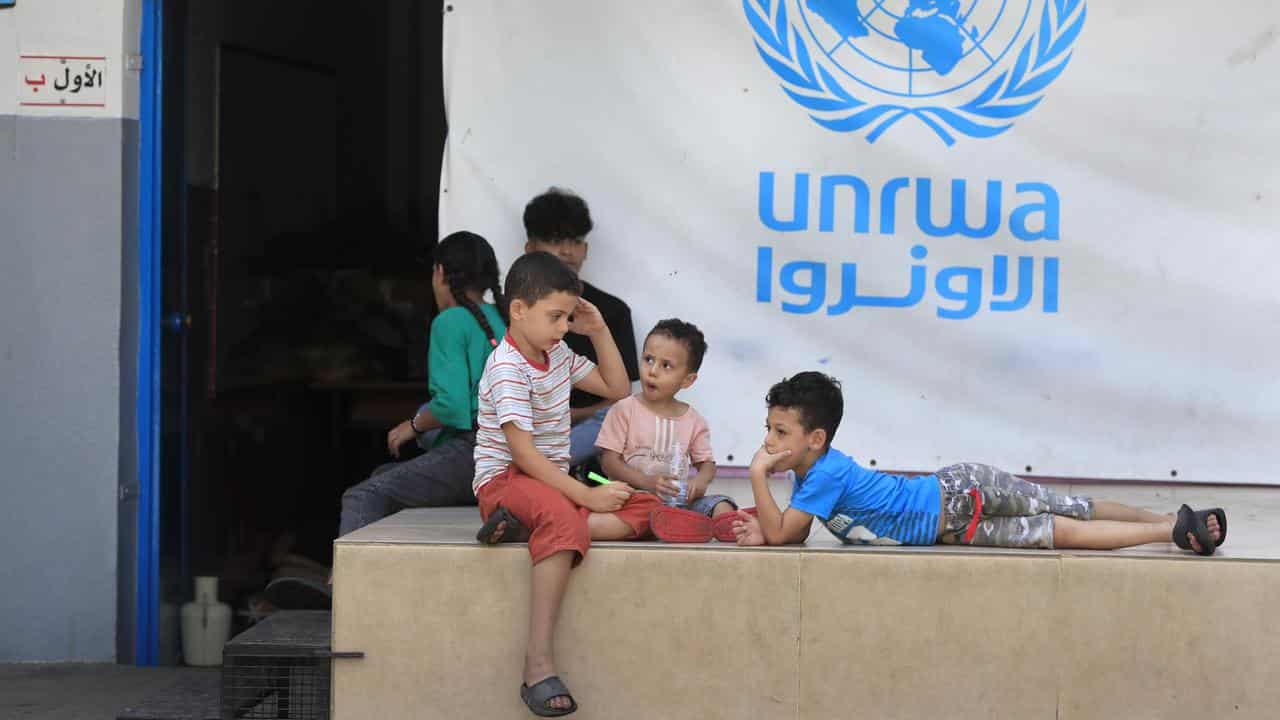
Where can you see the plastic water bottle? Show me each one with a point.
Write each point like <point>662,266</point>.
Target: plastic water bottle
<point>678,468</point>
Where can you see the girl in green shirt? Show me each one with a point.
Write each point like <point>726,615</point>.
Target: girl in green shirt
<point>463,333</point>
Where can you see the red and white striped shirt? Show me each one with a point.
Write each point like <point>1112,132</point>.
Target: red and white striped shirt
<point>534,396</point>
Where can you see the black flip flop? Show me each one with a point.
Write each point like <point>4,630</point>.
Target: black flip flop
<point>513,532</point>
<point>536,697</point>
<point>1190,521</point>
<point>1222,522</point>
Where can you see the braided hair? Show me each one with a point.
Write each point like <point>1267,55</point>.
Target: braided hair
<point>469,264</point>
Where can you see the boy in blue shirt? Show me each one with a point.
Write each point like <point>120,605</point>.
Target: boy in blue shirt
<point>968,504</point>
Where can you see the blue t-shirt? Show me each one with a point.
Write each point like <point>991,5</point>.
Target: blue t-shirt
<point>867,506</point>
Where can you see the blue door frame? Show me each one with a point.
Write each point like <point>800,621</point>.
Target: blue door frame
<point>147,591</point>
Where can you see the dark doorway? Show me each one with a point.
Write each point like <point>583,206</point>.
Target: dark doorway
<point>301,164</point>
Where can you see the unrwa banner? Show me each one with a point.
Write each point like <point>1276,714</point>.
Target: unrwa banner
<point>1033,233</point>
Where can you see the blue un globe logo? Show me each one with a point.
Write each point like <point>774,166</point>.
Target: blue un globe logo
<point>915,48</point>
<point>959,67</point>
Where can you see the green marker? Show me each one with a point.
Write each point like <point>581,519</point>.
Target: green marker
<point>598,478</point>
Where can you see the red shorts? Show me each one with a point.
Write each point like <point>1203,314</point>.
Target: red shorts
<point>554,521</point>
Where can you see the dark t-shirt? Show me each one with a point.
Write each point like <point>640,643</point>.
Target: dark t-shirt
<point>617,316</point>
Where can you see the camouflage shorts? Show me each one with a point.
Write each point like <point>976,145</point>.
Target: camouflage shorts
<point>1016,513</point>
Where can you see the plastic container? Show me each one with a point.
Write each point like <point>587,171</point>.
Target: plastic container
<point>206,625</point>
<point>678,468</point>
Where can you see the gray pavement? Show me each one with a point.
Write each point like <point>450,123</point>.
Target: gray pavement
<point>72,691</point>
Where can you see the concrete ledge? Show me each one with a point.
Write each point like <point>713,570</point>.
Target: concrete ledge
<point>660,631</point>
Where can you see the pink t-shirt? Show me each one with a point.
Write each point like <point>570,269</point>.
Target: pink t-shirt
<point>644,439</point>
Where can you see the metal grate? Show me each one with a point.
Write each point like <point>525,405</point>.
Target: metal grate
<point>275,686</point>
<point>279,669</point>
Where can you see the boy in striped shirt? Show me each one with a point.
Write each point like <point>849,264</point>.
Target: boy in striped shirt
<point>522,452</point>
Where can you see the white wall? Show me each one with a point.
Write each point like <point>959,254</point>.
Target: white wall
<point>67,209</point>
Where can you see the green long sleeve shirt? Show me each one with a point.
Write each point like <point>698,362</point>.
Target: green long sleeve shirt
<point>456,353</point>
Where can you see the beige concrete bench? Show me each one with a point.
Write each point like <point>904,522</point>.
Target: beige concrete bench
<point>663,631</point>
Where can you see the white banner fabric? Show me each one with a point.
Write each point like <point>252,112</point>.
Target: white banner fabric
<point>1033,233</point>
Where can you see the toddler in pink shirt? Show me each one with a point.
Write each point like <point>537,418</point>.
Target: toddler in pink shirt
<point>640,432</point>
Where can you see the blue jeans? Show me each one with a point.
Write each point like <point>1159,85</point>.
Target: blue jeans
<point>439,478</point>
<point>706,504</point>
<point>582,438</point>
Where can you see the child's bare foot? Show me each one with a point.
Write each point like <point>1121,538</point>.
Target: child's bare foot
<point>1200,530</point>
<point>502,526</point>
<point>538,669</point>
<point>1215,532</point>
<point>498,531</point>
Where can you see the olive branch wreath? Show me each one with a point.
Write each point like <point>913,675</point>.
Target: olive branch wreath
<point>1011,94</point>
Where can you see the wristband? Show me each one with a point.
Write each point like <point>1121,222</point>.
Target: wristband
<point>413,426</point>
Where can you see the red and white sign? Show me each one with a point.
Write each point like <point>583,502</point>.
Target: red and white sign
<point>62,81</point>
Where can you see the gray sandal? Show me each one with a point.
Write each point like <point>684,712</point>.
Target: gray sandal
<point>1190,521</point>
<point>542,692</point>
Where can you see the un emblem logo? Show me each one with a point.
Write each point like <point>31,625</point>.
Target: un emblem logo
<point>961,67</point>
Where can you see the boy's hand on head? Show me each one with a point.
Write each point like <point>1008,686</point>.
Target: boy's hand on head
<point>607,498</point>
<point>746,528</point>
<point>398,436</point>
<point>764,461</point>
<point>586,319</point>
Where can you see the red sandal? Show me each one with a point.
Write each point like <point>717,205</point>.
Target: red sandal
<point>677,525</point>
<point>722,525</point>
